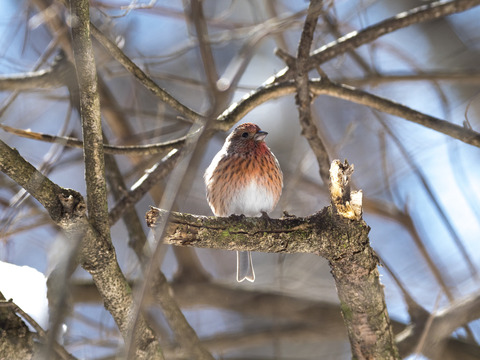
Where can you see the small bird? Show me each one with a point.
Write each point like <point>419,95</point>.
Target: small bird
<point>244,178</point>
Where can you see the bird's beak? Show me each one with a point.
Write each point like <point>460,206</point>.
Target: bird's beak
<point>260,135</point>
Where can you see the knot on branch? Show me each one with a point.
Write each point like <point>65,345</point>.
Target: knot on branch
<point>72,206</point>
<point>152,216</point>
<point>348,203</point>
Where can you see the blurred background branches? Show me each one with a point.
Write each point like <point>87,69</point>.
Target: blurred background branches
<point>401,84</point>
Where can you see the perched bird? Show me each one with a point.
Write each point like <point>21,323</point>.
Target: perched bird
<point>244,178</point>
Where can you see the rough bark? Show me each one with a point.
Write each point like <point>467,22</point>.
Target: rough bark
<point>335,235</point>
<point>67,209</point>
<point>16,341</point>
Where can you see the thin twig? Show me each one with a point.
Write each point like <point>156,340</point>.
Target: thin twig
<point>149,149</point>
<point>128,64</point>
<point>356,39</point>
<point>144,184</point>
<point>433,198</point>
<point>440,325</point>
<point>196,15</point>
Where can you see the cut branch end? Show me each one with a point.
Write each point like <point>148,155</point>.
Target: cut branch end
<point>348,203</point>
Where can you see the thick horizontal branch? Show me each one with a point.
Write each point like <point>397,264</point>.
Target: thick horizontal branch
<point>323,233</point>
<point>328,233</point>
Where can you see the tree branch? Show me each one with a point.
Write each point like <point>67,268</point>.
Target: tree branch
<point>142,77</point>
<point>356,39</point>
<point>144,184</point>
<point>324,87</point>
<point>42,334</point>
<point>442,324</point>
<point>390,107</point>
<point>67,208</point>
<point>194,13</point>
<point>303,97</point>
<point>91,118</point>
<point>185,335</point>
<point>311,234</point>
<point>51,196</point>
<point>53,77</point>
<point>149,149</point>
<point>332,235</point>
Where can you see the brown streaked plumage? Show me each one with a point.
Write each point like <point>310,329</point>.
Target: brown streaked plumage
<point>244,178</point>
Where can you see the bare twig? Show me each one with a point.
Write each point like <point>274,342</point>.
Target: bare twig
<point>52,77</point>
<point>441,325</point>
<point>149,149</point>
<point>142,77</point>
<point>355,39</point>
<point>196,15</point>
<point>332,25</point>
<point>136,235</point>
<point>323,87</point>
<point>185,335</point>
<point>144,184</point>
<point>57,28</point>
<point>434,199</point>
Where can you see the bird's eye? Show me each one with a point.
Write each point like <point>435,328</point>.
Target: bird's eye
<point>245,134</point>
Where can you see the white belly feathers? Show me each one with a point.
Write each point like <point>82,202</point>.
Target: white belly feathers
<point>251,200</point>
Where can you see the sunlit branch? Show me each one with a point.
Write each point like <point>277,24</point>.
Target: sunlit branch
<point>324,87</point>
<point>149,149</point>
<point>356,39</point>
<point>144,184</point>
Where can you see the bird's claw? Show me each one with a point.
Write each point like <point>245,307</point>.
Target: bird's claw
<point>265,215</point>
<point>286,215</point>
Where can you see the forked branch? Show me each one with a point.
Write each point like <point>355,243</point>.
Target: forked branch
<point>330,233</point>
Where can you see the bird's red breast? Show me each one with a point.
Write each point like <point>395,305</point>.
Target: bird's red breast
<point>244,177</point>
